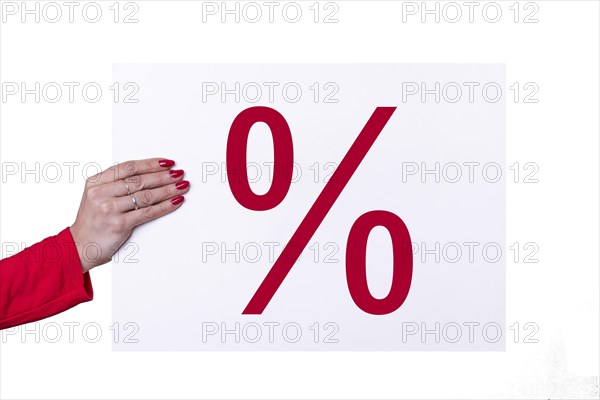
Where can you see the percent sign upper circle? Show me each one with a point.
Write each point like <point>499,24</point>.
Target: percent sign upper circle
<point>356,278</point>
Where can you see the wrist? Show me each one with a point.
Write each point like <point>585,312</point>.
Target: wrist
<point>80,245</point>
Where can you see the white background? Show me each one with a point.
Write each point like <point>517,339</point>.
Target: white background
<point>560,134</point>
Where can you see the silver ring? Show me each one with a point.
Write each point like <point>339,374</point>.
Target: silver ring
<point>127,186</point>
<point>135,204</point>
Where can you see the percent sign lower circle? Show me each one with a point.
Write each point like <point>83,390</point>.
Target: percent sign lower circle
<point>356,248</point>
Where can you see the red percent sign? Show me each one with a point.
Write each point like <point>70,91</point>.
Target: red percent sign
<point>356,248</point>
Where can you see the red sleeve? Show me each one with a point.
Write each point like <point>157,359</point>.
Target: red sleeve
<point>42,280</point>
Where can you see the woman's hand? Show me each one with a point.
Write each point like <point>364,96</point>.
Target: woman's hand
<point>117,200</point>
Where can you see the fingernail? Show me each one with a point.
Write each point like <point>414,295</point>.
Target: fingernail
<point>177,200</point>
<point>176,173</point>
<point>166,163</point>
<point>182,185</point>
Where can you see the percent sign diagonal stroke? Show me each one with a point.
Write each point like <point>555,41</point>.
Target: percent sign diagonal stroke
<point>319,210</point>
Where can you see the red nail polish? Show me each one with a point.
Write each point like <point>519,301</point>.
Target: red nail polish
<point>176,173</point>
<point>177,200</point>
<point>166,163</point>
<point>182,185</point>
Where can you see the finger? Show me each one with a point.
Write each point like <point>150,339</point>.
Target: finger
<point>146,214</point>
<point>148,197</point>
<point>129,168</point>
<point>136,183</point>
